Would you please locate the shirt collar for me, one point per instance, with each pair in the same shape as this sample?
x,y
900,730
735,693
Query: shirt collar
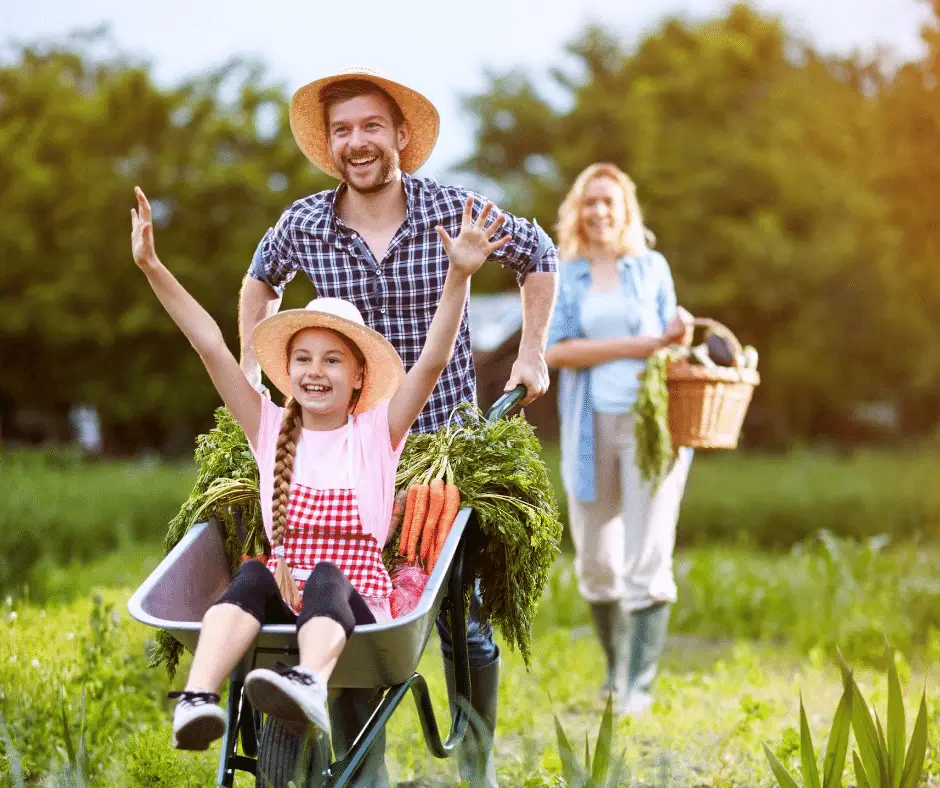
x,y
333,226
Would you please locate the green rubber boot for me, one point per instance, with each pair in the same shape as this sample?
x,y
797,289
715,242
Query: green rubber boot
x,y
610,625
475,754
647,639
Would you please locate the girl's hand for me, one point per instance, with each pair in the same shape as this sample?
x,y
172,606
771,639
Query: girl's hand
x,y
469,250
680,328
142,232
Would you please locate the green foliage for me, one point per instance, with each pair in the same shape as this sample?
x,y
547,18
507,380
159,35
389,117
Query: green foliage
x,y
50,661
654,451
57,509
80,125
825,593
879,761
226,489
597,772
771,175
501,475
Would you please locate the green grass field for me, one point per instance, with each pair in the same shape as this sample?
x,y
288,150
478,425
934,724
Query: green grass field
x,y
719,697
769,587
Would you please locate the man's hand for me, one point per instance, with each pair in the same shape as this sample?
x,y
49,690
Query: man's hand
x,y
469,250
531,371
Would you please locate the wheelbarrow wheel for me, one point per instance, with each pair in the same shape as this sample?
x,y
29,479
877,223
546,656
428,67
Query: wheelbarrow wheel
x,y
284,756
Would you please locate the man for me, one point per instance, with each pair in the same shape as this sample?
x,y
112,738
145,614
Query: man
x,y
372,241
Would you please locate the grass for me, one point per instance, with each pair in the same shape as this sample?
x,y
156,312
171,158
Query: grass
x,y
719,697
87,509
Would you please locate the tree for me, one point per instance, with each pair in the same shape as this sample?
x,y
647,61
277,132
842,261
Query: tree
x,y
78,322
756,165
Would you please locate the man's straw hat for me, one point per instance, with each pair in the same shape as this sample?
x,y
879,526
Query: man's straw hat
x,y
384,371
309,128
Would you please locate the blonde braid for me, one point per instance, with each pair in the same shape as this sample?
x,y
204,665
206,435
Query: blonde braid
x,y
283,470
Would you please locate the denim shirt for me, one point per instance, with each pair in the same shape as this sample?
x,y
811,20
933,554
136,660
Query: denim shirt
x,y
647,281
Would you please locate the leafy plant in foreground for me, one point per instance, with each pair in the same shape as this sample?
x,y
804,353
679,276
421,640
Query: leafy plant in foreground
x,y
880,761
599,771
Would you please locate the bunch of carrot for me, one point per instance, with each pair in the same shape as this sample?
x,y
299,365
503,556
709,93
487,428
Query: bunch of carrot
x,y
431,507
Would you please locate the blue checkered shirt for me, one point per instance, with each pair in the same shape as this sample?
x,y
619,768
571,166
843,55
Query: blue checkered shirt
x,y
398,295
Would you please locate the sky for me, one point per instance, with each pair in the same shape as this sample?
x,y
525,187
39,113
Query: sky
x,y
441,48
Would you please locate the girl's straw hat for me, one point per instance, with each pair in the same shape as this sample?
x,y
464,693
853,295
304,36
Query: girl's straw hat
x,y
308,124
384,371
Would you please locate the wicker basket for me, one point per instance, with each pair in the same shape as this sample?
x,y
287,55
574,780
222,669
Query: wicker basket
x,y
707,405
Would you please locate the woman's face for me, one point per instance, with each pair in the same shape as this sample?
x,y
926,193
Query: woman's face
x,y
324,373
603,212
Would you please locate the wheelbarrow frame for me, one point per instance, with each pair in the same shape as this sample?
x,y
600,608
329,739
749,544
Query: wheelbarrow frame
x,y
381,656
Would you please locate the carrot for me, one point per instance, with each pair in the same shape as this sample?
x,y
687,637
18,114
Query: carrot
x,y
421,507
398,511
448,515
435,505
406,521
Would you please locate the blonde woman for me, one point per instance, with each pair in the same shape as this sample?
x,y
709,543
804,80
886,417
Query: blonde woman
x,y
616,306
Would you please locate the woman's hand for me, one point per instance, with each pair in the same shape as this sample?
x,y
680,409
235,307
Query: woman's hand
x,y
469,250
680,328
142,232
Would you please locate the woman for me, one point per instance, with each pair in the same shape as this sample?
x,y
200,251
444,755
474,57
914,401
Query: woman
x,y
616,306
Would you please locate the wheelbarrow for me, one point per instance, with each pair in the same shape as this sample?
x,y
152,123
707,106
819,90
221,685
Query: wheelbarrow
x,y
383,656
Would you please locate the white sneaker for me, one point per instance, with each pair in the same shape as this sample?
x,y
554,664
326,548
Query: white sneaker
x,y
198,720
295,696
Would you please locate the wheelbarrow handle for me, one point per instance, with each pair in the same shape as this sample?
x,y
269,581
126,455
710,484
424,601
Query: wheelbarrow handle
x,y
506,403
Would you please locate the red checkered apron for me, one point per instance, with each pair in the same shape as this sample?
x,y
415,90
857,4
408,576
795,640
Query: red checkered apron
x,y
324,525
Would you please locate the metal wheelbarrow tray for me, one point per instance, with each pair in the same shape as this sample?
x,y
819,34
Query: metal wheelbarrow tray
x,y
194,574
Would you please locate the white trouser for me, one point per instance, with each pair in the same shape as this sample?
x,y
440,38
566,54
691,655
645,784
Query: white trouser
x,y
624,539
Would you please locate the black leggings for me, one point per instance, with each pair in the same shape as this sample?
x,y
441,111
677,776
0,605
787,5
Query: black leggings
x,y
326,593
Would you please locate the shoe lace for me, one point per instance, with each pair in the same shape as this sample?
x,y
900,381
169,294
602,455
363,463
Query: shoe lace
x,y
288,672
194,698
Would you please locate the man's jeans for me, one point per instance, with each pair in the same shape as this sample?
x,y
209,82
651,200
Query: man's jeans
x,y
481,647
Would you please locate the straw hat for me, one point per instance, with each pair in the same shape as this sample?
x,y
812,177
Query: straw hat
x,y
384,371
309,129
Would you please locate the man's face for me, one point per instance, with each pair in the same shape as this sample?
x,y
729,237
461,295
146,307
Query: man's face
x,y
364,142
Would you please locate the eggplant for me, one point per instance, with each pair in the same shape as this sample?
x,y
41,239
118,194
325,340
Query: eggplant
x,y
721,351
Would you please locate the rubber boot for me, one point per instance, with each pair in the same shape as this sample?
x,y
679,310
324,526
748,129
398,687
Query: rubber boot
x,y
610,625
475,753
647,638
350,710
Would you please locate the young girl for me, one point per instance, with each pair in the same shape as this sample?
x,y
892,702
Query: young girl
x,y
327,461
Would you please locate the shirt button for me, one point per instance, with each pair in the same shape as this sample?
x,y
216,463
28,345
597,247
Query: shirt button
x,y
382,311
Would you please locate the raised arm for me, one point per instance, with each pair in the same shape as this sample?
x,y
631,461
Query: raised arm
x,y
467,252
197,324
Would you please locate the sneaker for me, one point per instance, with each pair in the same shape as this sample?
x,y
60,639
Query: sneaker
x,y
295,696
198,720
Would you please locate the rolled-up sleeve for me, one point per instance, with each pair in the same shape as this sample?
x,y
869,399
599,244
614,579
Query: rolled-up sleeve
x,y
666,296
530,250
565,322
274,261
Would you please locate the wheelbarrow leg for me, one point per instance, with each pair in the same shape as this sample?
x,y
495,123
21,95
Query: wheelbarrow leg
x,y
226,774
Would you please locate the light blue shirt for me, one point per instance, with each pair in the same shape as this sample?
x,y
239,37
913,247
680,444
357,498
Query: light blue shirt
x,y
646,283
609,314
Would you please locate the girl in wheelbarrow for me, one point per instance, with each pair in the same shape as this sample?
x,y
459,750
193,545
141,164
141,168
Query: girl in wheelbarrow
x,y
326,462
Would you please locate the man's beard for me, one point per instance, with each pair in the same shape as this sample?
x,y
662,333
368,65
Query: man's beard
x,y
388,162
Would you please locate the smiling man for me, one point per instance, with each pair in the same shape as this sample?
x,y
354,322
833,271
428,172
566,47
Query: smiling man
x,y
372,241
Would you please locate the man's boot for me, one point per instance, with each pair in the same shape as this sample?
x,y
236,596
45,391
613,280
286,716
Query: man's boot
x,y
647,638
610,625
350,710
475,753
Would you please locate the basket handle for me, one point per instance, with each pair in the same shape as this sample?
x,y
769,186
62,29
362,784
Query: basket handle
x,y
719,328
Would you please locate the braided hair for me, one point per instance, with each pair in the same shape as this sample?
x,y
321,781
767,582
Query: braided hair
x,y
283,470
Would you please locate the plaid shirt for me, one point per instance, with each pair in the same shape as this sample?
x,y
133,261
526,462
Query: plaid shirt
x,y
398,295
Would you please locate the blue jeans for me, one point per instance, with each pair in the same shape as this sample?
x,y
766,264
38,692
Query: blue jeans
x,y
481,647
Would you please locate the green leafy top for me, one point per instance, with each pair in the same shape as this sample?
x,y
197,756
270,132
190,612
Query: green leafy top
x,y
499,469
